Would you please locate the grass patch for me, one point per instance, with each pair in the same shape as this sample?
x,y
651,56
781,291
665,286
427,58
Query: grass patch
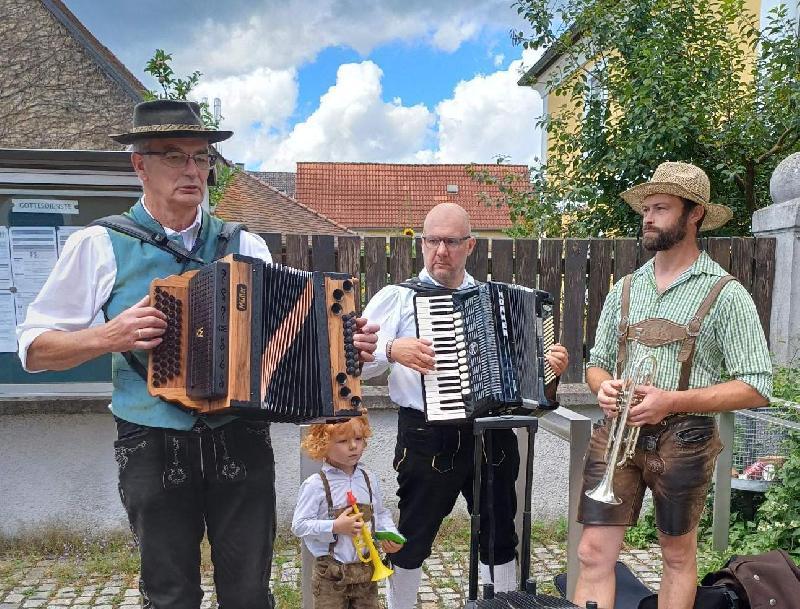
x,y
550,532
73,556
454,534
12,570
454,531
286,596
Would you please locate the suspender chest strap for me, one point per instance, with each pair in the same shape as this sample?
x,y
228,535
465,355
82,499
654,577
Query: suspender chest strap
x,y
366,508
656,332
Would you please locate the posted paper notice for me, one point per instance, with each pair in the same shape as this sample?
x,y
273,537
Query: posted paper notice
x,y
8,337
33,256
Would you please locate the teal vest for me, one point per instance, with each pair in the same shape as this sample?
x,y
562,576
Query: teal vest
x,y
138,264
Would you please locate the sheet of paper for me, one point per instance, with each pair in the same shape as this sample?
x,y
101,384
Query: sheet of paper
x,y
8,337
63,234
5,260
33,255
21,302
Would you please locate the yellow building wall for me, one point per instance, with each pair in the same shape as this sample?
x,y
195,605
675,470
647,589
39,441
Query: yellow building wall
x,y
556,104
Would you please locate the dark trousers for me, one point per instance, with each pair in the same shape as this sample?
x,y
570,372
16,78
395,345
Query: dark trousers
x,y
434,463
175,485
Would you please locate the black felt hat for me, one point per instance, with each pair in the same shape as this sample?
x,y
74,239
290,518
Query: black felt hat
x,y
162,118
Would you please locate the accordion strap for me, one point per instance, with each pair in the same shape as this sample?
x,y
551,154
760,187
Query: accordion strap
x,y
419,286
329,499
128,226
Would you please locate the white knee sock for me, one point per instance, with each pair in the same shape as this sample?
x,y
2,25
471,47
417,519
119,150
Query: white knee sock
x,y
505,576
403,587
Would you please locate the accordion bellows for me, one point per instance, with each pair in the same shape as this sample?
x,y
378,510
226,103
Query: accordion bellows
x,y
245,337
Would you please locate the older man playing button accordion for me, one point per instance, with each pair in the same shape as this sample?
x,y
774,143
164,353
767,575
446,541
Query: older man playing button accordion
x,y
180,475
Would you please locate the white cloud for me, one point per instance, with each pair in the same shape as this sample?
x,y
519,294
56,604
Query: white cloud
x,y
253,105
353,123
490,115
498,60
452,33
282,34
487,115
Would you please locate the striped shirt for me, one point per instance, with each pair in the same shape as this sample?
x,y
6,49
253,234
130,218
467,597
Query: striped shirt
x,y
731,338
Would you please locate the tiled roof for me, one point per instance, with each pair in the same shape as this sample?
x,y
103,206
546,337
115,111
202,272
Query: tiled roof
x,y
107,61
395,196
265,210
283,181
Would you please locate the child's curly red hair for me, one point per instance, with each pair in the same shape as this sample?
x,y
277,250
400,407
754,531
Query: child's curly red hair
x,y
320,435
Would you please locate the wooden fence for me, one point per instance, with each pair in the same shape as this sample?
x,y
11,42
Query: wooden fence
x,y
577,272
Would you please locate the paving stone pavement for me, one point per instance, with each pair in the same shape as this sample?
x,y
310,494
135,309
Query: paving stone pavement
x,y
444,581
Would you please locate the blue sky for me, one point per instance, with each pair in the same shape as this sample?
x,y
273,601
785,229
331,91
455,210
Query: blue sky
x,y
341,80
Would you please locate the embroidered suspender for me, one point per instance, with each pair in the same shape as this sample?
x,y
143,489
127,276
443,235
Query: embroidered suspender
x,y
335,513
657,331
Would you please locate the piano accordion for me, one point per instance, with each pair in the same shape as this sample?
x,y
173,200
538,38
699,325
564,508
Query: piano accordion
x,y
490,342
245,337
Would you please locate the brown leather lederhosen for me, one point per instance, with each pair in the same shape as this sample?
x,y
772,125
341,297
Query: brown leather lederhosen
x,y
336,584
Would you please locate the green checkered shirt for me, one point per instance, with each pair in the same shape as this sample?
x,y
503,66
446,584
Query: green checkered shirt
x,y
731,337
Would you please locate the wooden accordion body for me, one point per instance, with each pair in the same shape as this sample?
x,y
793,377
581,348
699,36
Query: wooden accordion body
x,y
245,337
490,342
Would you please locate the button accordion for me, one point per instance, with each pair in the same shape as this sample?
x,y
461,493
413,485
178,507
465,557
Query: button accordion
x,y
245,337
490,341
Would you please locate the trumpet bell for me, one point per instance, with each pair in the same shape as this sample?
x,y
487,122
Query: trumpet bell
x,y
604,492
379,570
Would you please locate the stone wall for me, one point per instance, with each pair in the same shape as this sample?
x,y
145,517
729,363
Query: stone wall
x,y
53,94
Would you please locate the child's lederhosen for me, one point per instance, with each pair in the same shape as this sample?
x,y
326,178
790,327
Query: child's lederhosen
x,y
338,585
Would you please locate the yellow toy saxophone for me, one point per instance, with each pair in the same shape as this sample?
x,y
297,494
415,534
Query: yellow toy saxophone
x,y
364,541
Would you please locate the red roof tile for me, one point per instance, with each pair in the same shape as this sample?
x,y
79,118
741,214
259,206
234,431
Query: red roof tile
x,y
265,210
377,195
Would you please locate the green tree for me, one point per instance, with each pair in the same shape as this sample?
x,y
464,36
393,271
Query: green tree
x,y
159,67
655,80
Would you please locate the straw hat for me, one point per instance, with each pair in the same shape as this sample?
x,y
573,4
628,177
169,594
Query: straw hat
x,y
167,118
682,180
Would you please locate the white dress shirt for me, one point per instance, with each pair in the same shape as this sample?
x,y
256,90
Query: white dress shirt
x,y
393,308
311,521
84,275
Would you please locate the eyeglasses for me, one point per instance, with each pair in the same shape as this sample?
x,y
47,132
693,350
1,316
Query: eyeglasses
x,y
178,159
449,242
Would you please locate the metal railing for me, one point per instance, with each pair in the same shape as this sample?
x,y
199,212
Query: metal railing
x,y
576,429
722,476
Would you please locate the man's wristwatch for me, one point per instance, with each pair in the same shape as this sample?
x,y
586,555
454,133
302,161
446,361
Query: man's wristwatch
x,y
389,349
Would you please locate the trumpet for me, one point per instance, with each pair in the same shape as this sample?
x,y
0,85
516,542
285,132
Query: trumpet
x,y
621,436
363,541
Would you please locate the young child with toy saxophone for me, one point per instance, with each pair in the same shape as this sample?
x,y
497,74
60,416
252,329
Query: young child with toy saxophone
x,y
330,527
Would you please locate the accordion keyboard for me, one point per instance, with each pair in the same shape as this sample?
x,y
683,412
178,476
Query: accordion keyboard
x,y
447,386
490,342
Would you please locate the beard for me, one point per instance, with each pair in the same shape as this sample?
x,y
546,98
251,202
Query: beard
x,y
665,239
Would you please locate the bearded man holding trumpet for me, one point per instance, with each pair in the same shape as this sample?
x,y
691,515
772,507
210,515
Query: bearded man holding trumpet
x,y
683,311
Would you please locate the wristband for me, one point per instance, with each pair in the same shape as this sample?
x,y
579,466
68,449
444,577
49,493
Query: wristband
x,y
389,349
